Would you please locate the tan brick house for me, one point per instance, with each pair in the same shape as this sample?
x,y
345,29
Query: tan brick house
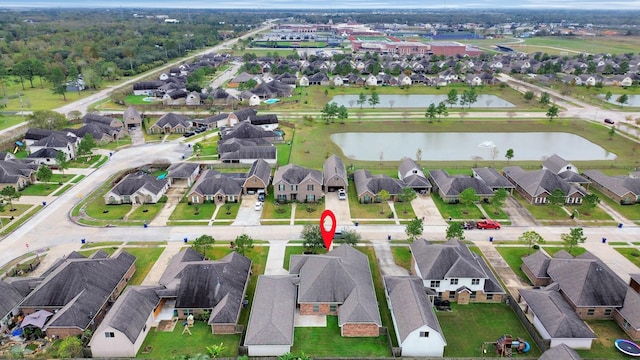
x,y
296,183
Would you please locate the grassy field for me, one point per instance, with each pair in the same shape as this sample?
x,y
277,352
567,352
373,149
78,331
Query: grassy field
x,y
607,331
632,254
456,211
631,212
7,121
513,257
145,258
576,44
40,189
184,211
466,327
14,209
402,256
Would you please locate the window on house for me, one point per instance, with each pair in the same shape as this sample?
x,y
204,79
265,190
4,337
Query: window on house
x,y
109,334
310,187
454,281
591,311
294,187
473,295
475,281
424,334
626,324
489,296
607,312
435,283
144,328
187,312
281,187
452,295
316,308
333,308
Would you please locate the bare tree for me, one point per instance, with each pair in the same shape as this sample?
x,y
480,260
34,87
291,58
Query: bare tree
x,y
351,102
391,103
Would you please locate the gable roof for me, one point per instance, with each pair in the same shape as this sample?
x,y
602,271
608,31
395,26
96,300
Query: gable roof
x,y
89,118
212,182
130,312
97,129
587,282
272,314
538,263
78,288
555,164
246,130
555,314
294,174
172,120
453,185
538,182
12,170
619,185
407,165
134,182
10,298
365,182
177,263
264,119
132,113
340,276
56,140
260,169
181,170
244,114
630,310
409,304
493,178
560,352
452,259
333,166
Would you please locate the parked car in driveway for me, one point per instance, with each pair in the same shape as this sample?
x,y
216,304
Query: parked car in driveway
x,y
609,121
257,206
488,224
342,195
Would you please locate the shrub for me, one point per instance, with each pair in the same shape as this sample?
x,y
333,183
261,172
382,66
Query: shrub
x,y
163,199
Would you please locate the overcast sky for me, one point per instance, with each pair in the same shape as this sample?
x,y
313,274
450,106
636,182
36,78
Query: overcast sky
x,y
333,4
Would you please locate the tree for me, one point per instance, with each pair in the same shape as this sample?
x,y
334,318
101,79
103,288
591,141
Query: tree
x,y
46,119
29,69
414,229
545,98
608,95
9,194
612,132
362,98
441,110
242,244
374,99
69,348
468,197
215,350
573,238
62,161
406,196
312,238
499,197
455,231
530,238
529,95
419,154
622,99
469,97
74,115
556,199
350,237
44,174
553,111
589,202
452,97
343,114
86,145
383,196
509,155
431,112
202,243
57,78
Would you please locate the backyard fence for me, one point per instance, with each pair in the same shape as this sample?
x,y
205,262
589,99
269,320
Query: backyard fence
x,y
543,344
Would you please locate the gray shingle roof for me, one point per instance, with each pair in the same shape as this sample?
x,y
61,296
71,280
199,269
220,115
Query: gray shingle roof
x,y
9,299
560,352
267,119
341,276
619,185
89,118
493,178
97,129
365,182
55,140
407,165
244,114
538,262
630,311
555,314
79,288
333,167
538,182
260,169
555,163
132,115
453,185
212,183
587,282
409,304
181,170
272,314
130,312
246,130
136,181
172,120
12,170
177,263
237,144
294,174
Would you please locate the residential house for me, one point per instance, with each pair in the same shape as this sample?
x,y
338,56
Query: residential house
x,y
183,173
89,118
44,156
100,132
258,177
132,118
64,142
295,183
241,78
493,179
9,301
565,170
267,122
538,185
79,292
126,325
454,272
554,319
560,352
148,88
241,115
628,316
17,174
212,122
175,97
334,174
216,286
338,283
449,187
412,176
246,130
368,186
535,266
137,188
170,123
417,328
624,190
271,323
216,187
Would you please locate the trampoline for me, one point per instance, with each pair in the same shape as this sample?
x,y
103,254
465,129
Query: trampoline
x,y
628,347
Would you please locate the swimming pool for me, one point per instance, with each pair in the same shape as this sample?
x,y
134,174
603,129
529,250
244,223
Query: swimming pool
x,y
271,101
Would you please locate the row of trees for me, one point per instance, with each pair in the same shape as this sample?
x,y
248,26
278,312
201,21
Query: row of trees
x,y
205,242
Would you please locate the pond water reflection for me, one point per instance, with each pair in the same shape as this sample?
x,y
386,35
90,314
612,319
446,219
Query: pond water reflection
x,y
418,101
468,146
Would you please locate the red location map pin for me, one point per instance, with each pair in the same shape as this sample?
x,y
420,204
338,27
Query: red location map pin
x,y
327,235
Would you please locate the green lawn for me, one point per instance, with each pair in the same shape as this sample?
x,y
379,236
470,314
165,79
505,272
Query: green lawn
x,y
272,211
184,211
9,121
296,250
576,251
542,212
59,178
90,245
309,211
360,210
494,211
284,153
607,331
632,254
229,211
39,189
327,342
146,212
466,327
456,211
12,225
402,256
145,258
19,209
98,210
84,162
108,250
513,257
173,345
631,212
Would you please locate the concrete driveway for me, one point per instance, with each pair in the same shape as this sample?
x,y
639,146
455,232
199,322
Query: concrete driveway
x,y
518,214
247,215
339,207
426,209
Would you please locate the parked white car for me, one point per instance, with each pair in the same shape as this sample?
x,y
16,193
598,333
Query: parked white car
x,y
342,195
257,206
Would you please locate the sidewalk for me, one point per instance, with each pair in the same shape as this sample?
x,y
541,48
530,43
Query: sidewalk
x,y
275,259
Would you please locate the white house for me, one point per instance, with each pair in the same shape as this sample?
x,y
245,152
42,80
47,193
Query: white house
x,y
137,188
417,328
